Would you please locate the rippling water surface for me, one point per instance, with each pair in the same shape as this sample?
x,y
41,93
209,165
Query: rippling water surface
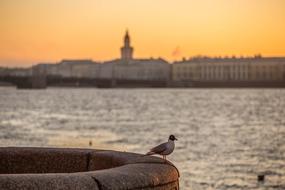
x,y
226,136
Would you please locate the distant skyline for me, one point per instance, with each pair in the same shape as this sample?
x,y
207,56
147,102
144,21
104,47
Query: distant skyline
x,y
33,31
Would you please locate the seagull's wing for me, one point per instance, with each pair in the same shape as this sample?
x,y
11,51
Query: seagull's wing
x,y
159,149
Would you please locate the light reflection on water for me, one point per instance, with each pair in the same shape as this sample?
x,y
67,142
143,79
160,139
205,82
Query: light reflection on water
x,y
226,136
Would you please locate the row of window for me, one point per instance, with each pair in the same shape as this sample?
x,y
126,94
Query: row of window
x,y
227,68
227,75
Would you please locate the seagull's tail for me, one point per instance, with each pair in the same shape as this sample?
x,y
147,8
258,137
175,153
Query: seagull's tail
x,y
148,154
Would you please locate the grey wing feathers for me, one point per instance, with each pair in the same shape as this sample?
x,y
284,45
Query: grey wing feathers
x,y
158,149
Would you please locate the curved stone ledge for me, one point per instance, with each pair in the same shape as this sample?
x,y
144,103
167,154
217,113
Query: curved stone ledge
x,y
86,169
47,182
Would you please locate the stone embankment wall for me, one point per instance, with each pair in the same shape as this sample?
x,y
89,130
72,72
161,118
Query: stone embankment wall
x,y
84,169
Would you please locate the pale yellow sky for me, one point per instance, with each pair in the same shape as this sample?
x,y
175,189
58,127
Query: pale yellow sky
x,y
34,31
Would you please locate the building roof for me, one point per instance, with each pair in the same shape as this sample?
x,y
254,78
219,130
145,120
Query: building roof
x,y
138,61
231,59
77,61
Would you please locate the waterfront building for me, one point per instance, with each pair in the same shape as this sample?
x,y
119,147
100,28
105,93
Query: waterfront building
x,y
229,69
47,69
17,72
78,68
4,71
129,68
71,69
106,69
143,69
136,69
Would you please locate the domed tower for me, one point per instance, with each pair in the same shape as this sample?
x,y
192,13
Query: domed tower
x,y
127,50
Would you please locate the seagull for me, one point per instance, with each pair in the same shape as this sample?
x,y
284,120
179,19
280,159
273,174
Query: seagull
x,y
164,148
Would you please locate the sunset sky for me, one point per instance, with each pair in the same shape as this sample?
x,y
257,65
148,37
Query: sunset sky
x,y
33,31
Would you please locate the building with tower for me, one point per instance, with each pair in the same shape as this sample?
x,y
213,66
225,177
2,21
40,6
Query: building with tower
x,y
130,68
127,50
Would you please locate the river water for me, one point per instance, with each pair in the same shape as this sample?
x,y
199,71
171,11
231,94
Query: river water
x,y
226,137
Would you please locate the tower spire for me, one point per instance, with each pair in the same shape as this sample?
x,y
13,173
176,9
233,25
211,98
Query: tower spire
x,y
127,39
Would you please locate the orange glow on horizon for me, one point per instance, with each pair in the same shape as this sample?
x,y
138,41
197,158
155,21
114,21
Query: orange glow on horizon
x,y
35,31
